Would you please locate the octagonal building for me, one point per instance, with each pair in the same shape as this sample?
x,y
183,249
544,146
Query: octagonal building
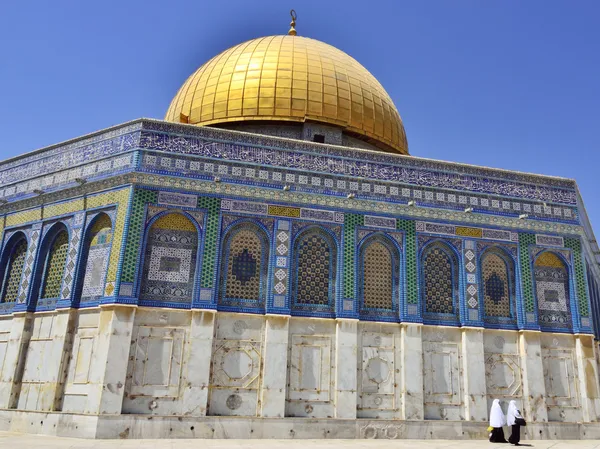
x,y
269,261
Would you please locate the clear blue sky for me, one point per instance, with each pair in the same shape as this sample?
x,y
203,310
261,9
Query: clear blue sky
x,y
503,83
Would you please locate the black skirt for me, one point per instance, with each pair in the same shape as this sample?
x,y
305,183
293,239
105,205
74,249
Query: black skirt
x,y
515,435
497,435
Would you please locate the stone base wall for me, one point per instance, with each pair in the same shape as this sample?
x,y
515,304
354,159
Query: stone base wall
x,y
134,372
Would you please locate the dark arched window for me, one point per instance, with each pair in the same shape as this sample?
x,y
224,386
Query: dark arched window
x,y
13,261
378,277
315,265
498,286
55,266
552,291
244,267
439,282
170,260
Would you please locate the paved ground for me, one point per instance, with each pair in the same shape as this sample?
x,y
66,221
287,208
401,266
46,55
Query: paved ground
x,y
18,441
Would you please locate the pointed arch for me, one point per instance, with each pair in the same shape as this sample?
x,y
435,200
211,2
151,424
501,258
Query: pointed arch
x,y
552,291
315,270
50,266
11,264
94,258
244,266
378,283
498,286
170,260
439,281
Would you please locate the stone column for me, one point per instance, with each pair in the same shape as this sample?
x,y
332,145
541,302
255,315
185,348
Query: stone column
x,y
473,374
412,371
114,339
587,377
272,396
532,368
62,338
346,339
14,359
197,375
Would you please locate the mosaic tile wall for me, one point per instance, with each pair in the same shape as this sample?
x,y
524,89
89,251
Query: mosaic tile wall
x,y
439,268
498,276
170,256
315,257
412,293
525,240
580,279
98,244
351,221
378,274
12,278
245,267
136,220
55,266
211,236
552,291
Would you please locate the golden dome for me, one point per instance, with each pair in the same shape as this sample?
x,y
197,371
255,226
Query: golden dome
x,y
290,78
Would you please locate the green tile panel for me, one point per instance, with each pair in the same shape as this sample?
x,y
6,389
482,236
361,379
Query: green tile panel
x,y
410,253
351,221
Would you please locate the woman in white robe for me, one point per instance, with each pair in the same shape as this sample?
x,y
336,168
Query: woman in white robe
x,y
515,420
497,421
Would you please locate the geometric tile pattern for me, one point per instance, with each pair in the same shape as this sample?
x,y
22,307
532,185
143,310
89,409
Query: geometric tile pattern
x,y
170,260
99,243
378,276
552,291
280,282
410,258
498,276
580,279
470,267
136,218
351,221
10,289
244,266
440,279
314,282
71,263
55,266
212,205
525,241
28,268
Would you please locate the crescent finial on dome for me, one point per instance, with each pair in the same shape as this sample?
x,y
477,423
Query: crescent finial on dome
x,y
292,31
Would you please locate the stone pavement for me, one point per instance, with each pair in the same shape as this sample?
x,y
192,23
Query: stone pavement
x,y
19,441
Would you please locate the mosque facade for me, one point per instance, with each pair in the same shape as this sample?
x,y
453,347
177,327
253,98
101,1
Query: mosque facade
x,y
269,261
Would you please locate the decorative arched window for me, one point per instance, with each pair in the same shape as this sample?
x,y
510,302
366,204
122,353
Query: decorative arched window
x,y
94,259
244,267
498,286
552,291
13,261
315,256
54,268
378,276
439,281
170,260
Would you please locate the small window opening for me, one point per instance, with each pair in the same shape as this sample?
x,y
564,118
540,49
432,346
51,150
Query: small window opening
x,y
319,138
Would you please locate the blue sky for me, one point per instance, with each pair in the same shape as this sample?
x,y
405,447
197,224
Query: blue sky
x,y
503,83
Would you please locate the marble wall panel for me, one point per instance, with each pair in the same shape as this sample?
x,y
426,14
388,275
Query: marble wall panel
x,y
83,361
560,371
442,372
503,376
236,364
311,368
379,371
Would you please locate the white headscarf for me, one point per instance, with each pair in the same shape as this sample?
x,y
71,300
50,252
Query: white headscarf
x,y
497,418
513,413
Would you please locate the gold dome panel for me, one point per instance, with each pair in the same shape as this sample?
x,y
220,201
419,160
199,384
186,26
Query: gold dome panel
x,y
290,78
